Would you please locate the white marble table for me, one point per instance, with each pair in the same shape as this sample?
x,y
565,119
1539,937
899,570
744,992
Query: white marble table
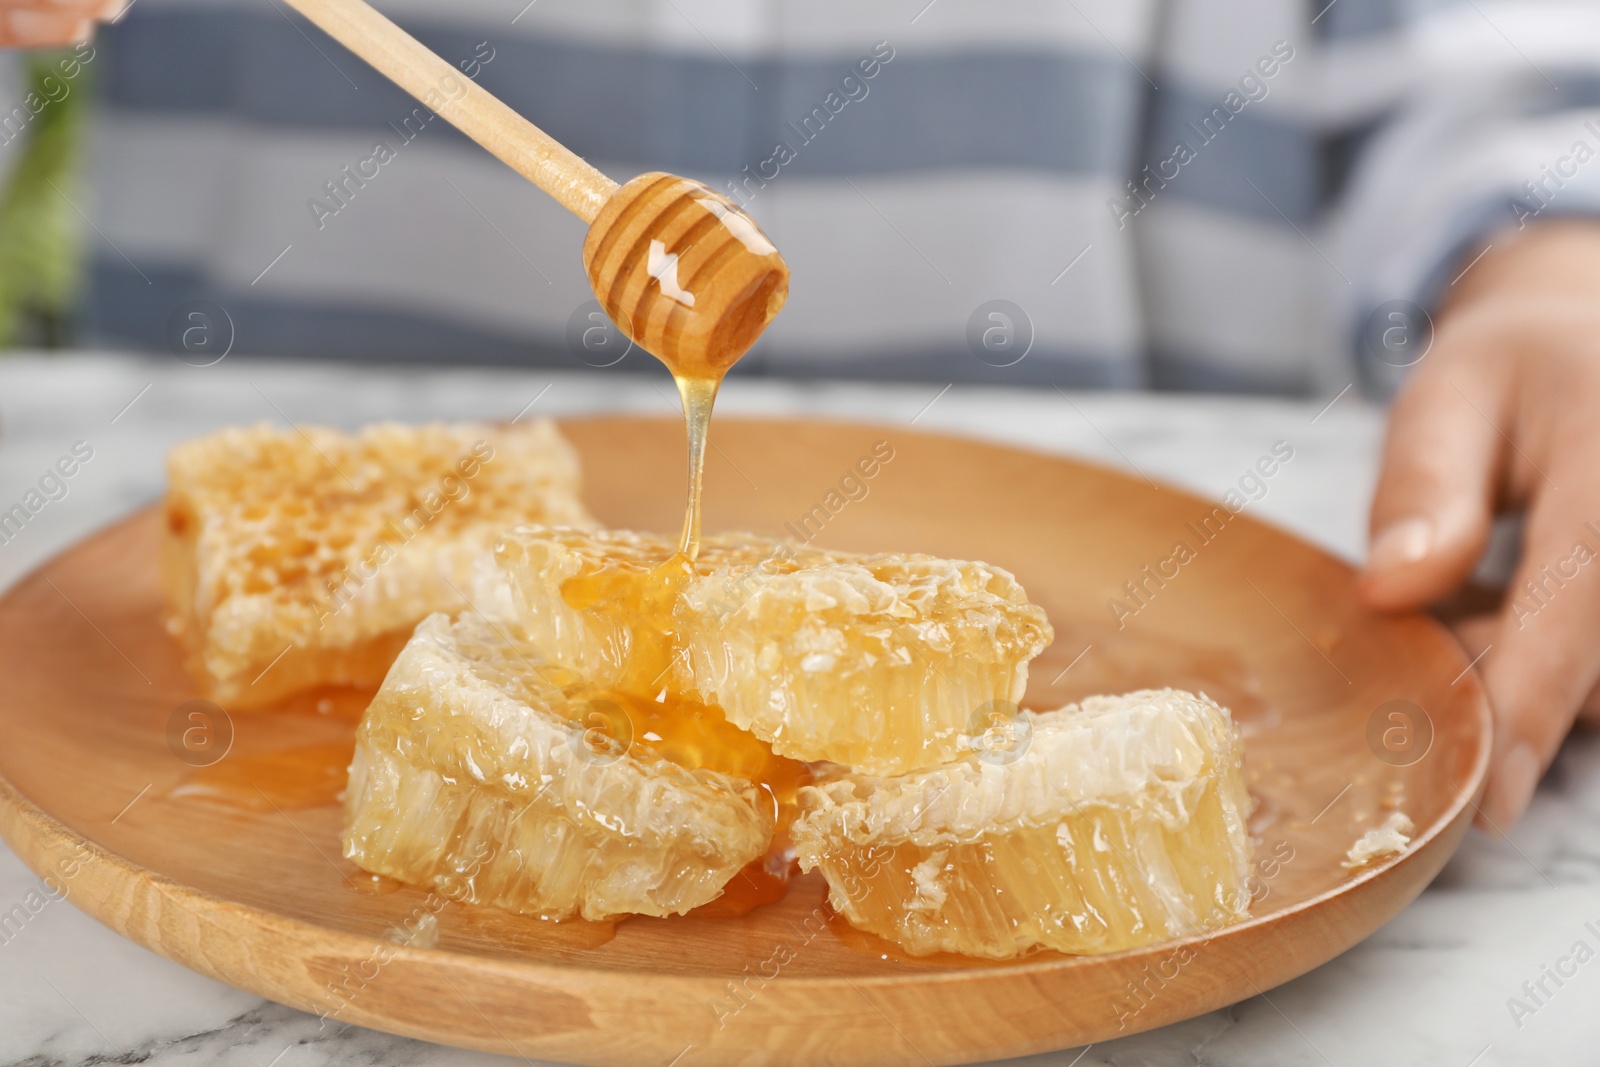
x,y
1432,987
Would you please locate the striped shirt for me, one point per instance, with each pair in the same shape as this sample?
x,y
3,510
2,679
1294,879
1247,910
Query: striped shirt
x,y
1202,194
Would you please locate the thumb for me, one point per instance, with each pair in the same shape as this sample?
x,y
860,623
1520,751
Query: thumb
x,y
1433,507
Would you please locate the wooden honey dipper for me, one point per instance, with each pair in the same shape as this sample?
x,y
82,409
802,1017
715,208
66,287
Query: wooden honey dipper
x,y
678,267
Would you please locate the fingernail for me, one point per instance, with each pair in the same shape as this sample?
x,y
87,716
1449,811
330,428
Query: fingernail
x,y
1515,777
1400,544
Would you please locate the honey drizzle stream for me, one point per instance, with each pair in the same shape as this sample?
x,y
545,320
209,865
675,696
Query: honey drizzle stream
x,y
698,395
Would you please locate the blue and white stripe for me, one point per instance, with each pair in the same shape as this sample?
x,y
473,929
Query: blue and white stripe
x,y
981,162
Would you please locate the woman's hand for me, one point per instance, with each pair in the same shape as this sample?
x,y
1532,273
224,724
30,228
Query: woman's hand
x,y
51,23
1504,414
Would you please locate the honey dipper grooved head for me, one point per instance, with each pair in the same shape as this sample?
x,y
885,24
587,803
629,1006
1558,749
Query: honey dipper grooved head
x,y
684,272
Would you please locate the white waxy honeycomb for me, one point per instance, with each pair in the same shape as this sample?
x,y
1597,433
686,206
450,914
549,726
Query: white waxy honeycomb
x,y
1109,824
475,773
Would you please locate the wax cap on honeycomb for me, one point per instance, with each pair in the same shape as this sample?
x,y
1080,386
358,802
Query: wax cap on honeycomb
x,y
471,758
878,662
304,556
1099,826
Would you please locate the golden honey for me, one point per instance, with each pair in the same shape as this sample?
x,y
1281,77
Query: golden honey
x,y
699,395
883,663
312,776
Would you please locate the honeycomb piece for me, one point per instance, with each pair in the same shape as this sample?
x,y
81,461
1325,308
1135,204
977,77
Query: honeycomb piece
x,y
486,776
876,662
1098,827
294,558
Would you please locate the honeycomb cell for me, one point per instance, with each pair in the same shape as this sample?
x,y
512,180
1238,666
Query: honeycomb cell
x,y
1120,823
300,557
494,781
876,662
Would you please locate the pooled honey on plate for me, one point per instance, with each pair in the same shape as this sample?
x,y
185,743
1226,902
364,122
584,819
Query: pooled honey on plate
x,y
311,776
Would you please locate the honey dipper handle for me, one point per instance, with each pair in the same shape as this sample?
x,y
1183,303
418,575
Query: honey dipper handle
x,y
463,103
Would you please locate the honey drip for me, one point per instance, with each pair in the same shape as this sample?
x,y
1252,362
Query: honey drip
x,y
766,881
698,395
642,716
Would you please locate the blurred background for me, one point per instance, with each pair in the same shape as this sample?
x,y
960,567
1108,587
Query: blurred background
x,y
1246,195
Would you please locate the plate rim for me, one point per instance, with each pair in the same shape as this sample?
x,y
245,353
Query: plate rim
x,y
33,833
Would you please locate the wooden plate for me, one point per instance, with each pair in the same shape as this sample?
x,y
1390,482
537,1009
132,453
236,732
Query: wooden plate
x,y
1347,714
